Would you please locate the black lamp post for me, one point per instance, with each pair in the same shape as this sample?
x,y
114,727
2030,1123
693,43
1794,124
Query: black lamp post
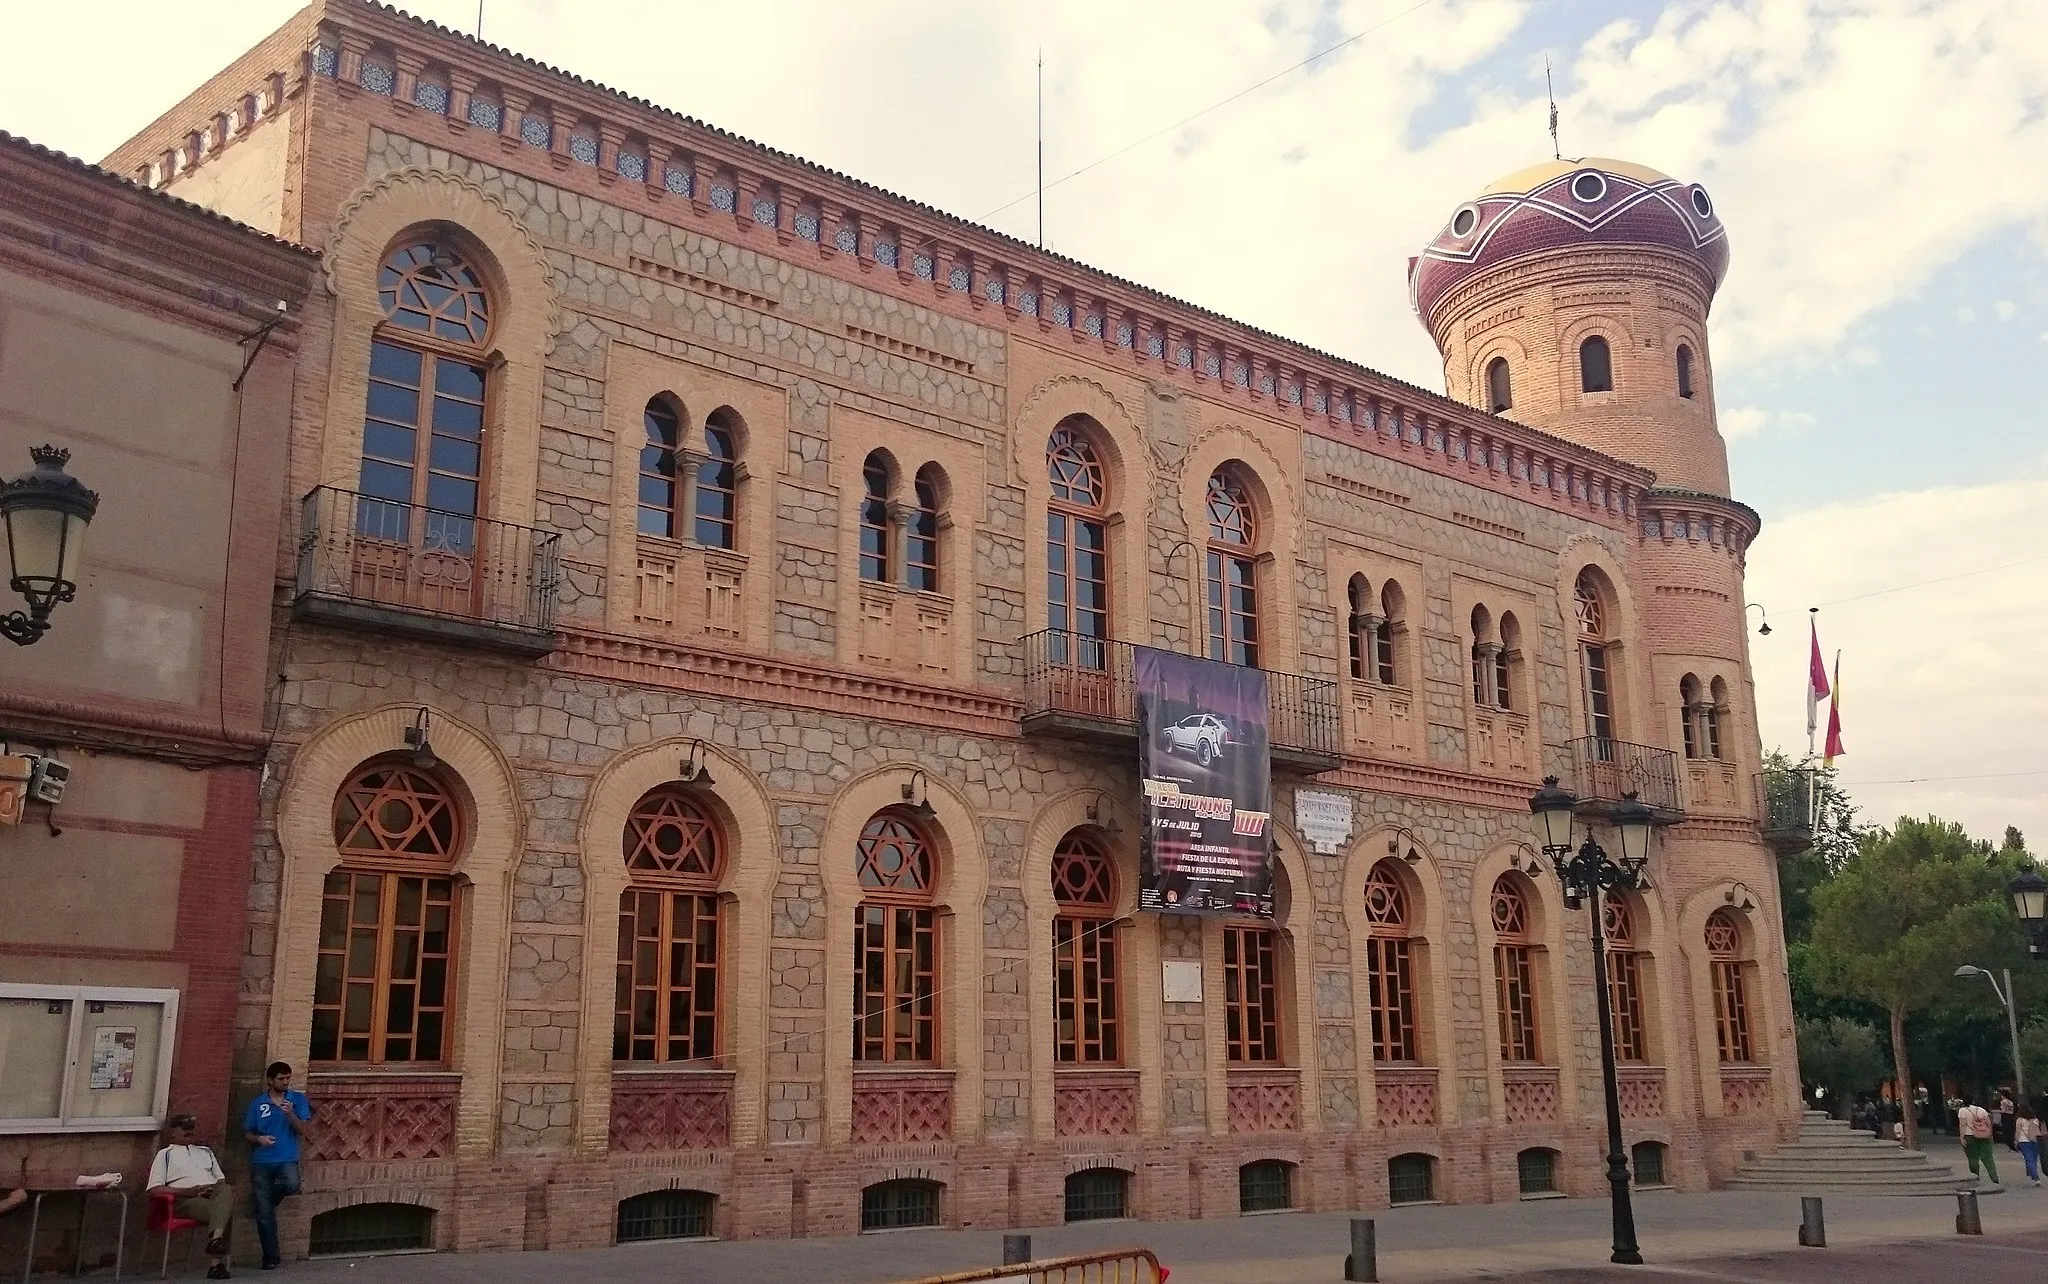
x,y
1587,874
45,512
2030,902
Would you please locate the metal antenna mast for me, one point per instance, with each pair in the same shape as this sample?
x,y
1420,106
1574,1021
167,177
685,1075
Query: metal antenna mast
x,y
1556,152
1041,148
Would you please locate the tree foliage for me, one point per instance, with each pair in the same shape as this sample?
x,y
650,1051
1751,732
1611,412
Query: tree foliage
x,y
1895,921
1842,1056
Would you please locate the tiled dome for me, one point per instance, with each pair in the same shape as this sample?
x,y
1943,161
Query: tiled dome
x,y
1561,203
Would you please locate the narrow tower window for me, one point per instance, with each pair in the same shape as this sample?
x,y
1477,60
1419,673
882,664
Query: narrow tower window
x,y
1596,366
1500,394
1685,371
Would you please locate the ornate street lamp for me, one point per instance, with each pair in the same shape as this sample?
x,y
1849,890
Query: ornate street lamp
x,y
2030,902
1587,875
45,511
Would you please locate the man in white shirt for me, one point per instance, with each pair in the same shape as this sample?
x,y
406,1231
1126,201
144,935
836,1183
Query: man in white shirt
x,y
1974,1123
192,1175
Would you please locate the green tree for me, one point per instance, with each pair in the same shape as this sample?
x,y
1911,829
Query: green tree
x,y
1840,1055
1893,924
1835,837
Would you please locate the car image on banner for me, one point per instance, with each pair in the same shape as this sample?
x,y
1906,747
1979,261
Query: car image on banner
x,y
1206,778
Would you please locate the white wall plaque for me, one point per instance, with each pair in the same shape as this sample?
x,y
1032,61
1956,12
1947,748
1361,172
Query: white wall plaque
x,y
1180,981
1323,819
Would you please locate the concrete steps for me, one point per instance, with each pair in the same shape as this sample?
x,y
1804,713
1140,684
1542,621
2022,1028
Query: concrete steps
x,y
1829,1157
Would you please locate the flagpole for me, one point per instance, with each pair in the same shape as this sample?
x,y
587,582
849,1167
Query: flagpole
x,y
1812,705
1041,149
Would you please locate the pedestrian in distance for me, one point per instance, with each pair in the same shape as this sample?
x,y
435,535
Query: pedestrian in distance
x,y
2002,1117
190,1174
273,1124
1974,1123
2026,1131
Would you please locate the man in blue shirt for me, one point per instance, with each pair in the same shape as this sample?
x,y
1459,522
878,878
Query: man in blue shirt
x,y
273,1125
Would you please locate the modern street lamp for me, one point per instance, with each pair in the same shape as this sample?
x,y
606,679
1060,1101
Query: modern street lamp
x,y
2030,902
45,512
2012,1021
1588,874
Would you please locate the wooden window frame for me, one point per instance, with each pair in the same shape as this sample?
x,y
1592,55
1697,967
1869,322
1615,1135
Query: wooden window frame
x,y
382,980
432,354
718,476
1086,953
1514,976
670,452
681,920
922,555
1251,994
1230,610
1626,1007
893,922
1734,1037
1390,969
1067,519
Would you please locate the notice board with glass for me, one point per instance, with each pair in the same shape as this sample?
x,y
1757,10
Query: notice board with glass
x,y
82,1058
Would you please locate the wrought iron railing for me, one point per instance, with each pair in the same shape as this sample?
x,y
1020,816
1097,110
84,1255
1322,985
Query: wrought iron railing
x,y
380,553
1784,809
1090,680
1605,769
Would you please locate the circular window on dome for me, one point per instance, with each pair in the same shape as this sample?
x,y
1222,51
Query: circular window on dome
x,y
1589,186
1464,220
1700,204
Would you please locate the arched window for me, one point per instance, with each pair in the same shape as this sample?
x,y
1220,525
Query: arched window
x,y
385,971
1077,547
1684,371
875,476
355,1229
1731,988
1097,1193
1689,715
670,945
921,547
1411,1179
1505,659
1536,1171
893,1205
1233,595
1265,1186
1625,981
423,426
1514,971
718,481
1087,1011
1591,611
1251,993
1484,651
665,1214
1362,623
1392,604
1390,965
895,943
1500,393
1596,365
1712,716
659,488
1646,1159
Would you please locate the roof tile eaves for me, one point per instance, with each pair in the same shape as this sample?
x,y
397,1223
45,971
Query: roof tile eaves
x,y
33,148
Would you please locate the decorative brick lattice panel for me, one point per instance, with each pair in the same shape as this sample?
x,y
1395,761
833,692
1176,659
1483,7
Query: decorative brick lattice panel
x,y
1405,1098
1641,1091
891,1109
383,1118
671,1112
1265,1101
1531,1096
1745,1094
1098,1106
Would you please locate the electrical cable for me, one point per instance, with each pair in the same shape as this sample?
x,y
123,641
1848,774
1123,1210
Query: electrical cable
x,y
1215,106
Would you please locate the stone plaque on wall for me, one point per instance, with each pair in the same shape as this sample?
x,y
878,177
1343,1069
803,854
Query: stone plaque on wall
x,y
1323,819
1180,981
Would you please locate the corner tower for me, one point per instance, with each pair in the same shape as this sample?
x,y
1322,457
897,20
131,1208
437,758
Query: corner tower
x,y
1573,296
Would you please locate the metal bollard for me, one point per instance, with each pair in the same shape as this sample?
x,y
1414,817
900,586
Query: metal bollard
x,y
1363,1261
1967,1221
1016,1250
1813,1228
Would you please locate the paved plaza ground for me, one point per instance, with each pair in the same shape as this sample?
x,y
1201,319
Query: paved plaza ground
x,y
1733,1237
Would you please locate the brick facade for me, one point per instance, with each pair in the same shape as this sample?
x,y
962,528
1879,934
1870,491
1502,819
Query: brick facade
x,y
802,699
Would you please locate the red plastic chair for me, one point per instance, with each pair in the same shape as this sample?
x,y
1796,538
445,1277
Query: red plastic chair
x,y
162,1215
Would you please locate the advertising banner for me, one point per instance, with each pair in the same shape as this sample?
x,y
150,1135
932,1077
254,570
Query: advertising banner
x,y
1207,780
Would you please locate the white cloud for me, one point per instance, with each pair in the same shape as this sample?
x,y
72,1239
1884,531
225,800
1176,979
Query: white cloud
x,y
2006,309
1966,314
1930,674
1747,421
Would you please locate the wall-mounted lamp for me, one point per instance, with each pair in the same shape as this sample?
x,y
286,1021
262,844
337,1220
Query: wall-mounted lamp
x,y
416,740
1409,853
1100,815
914,793
1764,629
45,512
1524,859
1739,897
692,771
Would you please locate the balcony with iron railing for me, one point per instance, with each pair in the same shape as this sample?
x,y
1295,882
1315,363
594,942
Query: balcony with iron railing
x,y
1082,688
1604,770
406,569
1784,809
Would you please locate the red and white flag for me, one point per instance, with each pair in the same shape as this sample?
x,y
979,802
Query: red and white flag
x,y
1817,688
1833,749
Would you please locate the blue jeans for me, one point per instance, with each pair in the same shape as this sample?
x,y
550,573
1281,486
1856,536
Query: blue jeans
x,y
2031,1152
269,1183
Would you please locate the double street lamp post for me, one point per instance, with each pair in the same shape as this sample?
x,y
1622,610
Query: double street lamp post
x,y
1587,875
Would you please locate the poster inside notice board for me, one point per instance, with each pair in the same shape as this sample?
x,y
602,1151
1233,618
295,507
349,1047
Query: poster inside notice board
x,y
1206,780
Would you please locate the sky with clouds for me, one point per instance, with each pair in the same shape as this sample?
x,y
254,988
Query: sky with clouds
x,y
1880,343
